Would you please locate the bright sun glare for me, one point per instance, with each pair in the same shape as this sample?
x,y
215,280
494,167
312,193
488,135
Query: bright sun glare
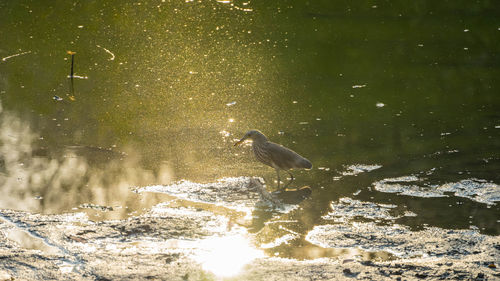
x,y
226,256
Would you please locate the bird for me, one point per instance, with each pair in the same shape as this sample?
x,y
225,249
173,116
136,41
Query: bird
x,y
275,155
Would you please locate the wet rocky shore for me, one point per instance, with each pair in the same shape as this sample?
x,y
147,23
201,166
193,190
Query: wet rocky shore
x,y
202,242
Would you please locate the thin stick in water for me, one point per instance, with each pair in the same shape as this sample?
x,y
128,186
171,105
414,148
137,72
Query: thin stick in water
x,y
72,62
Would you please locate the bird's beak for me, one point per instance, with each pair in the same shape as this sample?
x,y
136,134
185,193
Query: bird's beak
x,y
240,141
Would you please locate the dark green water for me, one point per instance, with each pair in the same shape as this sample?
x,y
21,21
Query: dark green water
x,y
164,88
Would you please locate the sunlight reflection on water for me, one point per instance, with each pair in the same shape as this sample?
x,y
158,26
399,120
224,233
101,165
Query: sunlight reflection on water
x,y
226,256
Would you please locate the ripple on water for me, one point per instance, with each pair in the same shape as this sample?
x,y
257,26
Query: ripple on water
x,y
474,189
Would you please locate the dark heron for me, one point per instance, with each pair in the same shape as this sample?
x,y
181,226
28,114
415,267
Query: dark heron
x,y
275,155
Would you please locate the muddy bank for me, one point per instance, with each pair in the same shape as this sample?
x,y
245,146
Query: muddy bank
x,y
201,242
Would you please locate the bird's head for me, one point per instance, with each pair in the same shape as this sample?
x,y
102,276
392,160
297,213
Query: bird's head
x,y
254,135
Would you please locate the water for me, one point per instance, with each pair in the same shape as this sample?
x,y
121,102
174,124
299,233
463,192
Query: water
x,y
396,105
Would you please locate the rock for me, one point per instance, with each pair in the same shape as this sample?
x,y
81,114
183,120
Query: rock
x,y
397,272
367,263
349,273
421,275
383,272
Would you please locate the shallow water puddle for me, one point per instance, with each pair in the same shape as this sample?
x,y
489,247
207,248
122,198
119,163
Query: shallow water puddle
x,y
27,241
137,205
310,251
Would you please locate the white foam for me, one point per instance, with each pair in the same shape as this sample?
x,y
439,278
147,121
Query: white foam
x,y
350,208
355,169
474,189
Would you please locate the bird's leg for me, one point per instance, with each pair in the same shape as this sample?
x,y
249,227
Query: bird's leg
x,y
291,178
278,172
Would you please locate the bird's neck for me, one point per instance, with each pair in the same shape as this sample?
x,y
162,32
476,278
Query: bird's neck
x,y
259,141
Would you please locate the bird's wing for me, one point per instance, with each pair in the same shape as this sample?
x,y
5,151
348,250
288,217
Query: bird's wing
x,y
283,157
